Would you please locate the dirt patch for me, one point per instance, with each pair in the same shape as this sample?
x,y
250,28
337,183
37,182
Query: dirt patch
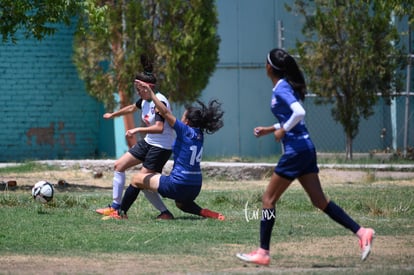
x,y
315,255
100,176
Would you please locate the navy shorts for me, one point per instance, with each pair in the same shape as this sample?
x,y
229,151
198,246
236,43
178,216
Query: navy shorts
x,y
296,164
177,192
152,157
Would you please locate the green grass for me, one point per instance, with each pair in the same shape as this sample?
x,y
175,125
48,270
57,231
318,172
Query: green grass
x,y
69,226
30,166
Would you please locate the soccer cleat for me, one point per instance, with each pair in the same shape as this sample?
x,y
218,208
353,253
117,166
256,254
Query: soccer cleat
x,y
259,256
165,215
207,213
365,242
107,211
119,215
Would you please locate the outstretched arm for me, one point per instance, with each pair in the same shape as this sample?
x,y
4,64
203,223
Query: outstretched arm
x,y
162,109
126,110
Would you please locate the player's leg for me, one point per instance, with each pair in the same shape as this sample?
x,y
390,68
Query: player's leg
x,y
312,186
121,165
154,162
193,208
276,187
140,181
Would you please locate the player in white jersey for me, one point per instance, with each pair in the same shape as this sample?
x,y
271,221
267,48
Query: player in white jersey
x,y
153,151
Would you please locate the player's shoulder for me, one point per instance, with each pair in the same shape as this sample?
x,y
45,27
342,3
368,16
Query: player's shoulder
x,y
161,97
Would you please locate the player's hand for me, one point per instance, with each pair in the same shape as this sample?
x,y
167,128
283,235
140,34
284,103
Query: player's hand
x,y
258,131
107,115
130,133
146,87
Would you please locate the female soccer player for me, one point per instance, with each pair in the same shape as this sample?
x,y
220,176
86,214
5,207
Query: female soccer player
x,y
184,182
153,151
298,160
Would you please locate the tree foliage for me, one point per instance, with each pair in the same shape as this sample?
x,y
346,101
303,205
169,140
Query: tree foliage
x,y
35,18
180,36
349,56
401,8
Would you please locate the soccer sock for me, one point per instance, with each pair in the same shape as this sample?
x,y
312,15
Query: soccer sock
x,y
266,227
338,214
189,207
118,188
131,194
154,199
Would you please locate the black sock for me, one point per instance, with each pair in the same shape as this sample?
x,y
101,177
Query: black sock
x,y
189,207
266,227
131,194
338,214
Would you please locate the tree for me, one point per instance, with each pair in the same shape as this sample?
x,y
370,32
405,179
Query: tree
x,y
349,56
36,18
401,8
180,36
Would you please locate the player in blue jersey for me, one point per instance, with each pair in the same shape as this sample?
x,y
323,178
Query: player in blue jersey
x,y
184,182
153,151
299,157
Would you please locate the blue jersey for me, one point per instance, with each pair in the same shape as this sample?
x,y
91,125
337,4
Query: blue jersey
x,y
297,139
187,151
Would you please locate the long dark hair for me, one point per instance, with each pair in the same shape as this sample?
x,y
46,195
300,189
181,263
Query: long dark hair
x,y
147,75
209,118
284,66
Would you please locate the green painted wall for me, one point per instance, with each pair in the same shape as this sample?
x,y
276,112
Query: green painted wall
x,y
45,111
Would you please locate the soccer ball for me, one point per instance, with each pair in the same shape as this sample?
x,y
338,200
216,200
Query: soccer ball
x,y
42,191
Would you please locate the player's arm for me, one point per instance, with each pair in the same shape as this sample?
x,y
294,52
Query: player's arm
x,y
162,109
298,113
123,111
157,128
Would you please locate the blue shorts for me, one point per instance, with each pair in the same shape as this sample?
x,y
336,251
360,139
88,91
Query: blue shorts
x,y
177,192
296,164
152,157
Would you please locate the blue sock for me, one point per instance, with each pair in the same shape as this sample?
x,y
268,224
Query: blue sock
x,y
266,227
338,214
130,195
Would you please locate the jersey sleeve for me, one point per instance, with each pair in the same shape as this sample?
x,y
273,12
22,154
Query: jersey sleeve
x,y
159,117
138,104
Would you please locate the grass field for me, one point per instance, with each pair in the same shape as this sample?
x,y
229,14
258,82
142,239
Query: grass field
x,y
66,236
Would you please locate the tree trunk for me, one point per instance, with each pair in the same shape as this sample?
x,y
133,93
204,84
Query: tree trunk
x,y
118,53
128,119
348,150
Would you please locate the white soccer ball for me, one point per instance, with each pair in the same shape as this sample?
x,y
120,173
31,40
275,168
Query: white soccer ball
x,y
43,191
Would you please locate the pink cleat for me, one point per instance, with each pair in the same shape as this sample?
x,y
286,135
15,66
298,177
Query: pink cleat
x,y
259,256
365,242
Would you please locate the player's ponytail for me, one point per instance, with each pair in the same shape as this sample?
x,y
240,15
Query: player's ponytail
x,y
284,66
147,75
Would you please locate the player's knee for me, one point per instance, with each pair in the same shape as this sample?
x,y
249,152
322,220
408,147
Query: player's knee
x,y
118,166
320,204
267,201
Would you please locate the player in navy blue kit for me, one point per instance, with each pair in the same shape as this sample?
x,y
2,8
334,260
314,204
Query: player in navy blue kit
x,y
153,151
299,157
184,182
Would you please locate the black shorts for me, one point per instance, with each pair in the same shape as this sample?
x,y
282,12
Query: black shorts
x,y
152,157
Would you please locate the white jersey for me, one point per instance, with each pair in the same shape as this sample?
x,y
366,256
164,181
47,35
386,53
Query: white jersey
x,y
166,138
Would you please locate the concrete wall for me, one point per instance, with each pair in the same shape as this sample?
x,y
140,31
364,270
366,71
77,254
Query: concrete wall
x,y
45,111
